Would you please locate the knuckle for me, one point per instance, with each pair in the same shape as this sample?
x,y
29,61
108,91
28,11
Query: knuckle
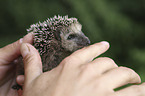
x,y
86,71
87,68
28,59
108,61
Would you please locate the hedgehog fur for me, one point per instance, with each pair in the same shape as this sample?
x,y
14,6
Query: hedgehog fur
x,y
56,38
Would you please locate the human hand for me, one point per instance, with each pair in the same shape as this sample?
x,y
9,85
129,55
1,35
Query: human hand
x,y
78,75
7,68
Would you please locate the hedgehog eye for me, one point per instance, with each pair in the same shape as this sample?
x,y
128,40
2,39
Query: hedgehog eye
x,y
72,36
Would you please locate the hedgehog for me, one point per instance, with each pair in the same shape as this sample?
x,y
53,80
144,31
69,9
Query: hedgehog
x,y
55,39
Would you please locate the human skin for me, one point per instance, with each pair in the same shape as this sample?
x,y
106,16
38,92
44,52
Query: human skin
x,y
7,68
82,77
78,75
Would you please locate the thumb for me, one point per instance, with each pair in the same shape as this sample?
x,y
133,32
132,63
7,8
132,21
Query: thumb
x,y
12,51
32,62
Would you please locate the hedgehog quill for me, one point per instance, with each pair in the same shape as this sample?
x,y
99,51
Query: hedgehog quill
x,y
55,39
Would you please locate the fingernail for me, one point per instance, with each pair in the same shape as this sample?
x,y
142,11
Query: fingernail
x,y
105,42
21,40
24,49
27,37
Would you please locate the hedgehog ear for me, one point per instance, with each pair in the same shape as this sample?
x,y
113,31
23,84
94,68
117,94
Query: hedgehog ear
x,y
57,35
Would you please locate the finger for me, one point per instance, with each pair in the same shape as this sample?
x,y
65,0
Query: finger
x,y
87,54
97,67
101,65
134,90
12,51
120,76
28,38
32,62
20,79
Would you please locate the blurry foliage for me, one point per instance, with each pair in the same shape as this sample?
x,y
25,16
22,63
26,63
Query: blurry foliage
x,y
121,22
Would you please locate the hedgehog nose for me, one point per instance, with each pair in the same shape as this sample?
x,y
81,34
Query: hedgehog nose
x,y
88,42
83,41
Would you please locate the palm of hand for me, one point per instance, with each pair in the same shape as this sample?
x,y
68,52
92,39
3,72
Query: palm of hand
x,y
7,78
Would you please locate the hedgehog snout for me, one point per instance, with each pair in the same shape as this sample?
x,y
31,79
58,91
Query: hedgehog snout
x,y
83,41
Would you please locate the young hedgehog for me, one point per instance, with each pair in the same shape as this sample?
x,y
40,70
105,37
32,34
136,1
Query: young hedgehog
x,y
55,39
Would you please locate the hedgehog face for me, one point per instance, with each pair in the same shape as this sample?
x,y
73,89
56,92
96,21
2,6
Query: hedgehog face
x,y
72,38
59,31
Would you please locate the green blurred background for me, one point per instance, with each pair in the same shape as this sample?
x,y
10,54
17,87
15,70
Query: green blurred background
x,y
120,22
